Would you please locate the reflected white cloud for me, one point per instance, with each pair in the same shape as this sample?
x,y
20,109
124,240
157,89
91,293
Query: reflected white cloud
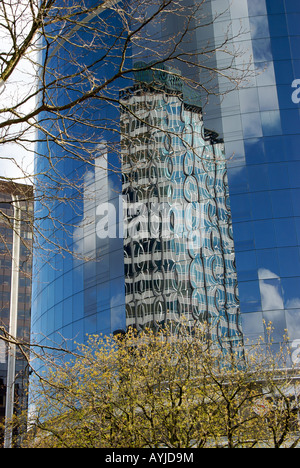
x,y
272,293
271,299
264,273
271,296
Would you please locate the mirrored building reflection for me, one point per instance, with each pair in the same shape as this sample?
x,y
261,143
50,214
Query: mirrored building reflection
x,y
178,245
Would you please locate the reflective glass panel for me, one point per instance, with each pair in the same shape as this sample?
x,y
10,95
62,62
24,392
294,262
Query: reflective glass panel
x,y
243,233
285,232
296,201
262,50
294,171
257,7
261,205
246,265
282,206
280,47
277,25
238,179
293,324
271,292
278,176
292,6
275,149
274,7
289,261
253,327
252,125
250,296
268,99
271,123
264,233
278,321
249,100
255,151
267,262
291,291
290,121
258,177
241,207
104,320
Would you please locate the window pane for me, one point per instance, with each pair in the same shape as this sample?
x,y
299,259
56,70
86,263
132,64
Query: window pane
x,y
264,234
250,296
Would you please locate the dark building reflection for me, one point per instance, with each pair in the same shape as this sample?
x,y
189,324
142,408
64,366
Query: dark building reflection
x,y
8,192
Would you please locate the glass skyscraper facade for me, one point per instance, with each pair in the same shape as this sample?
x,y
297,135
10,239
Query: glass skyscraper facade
x,y
237,266
260,125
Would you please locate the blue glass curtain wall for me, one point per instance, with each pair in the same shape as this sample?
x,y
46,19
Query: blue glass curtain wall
x,y
261,133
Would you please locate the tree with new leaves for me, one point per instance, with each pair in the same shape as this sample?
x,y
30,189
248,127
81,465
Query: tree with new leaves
x,y
174,390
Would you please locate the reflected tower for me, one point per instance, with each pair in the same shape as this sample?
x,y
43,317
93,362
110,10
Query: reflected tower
x,y
178,244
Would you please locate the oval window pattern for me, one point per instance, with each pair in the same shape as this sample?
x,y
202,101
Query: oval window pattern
x,y
190,189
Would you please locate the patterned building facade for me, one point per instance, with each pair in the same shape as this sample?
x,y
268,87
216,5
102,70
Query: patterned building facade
x,y
178,244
